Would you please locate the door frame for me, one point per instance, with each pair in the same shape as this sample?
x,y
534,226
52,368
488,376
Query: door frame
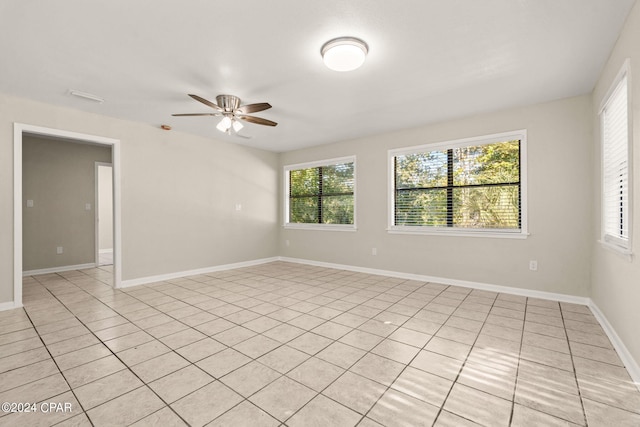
x,y
18,130
96,205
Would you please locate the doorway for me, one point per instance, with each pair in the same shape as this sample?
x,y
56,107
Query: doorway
x,y
104,214
53,134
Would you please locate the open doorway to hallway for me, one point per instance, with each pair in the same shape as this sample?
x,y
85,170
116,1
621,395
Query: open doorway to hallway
x,y
72,249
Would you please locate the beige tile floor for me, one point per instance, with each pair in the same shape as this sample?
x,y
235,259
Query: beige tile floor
x,y
287,344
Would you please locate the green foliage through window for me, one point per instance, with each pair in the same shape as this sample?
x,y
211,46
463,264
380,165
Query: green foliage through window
x,y
322,195
471,187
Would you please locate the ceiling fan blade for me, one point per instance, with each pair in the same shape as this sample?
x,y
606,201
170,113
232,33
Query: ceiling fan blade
x,y
257,120
205,101
197,114
254,108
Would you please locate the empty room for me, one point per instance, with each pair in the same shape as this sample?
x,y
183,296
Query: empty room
x,y
320,213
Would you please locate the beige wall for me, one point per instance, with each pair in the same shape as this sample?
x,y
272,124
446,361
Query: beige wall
x,y
616,280
59,176
105,207
178,193
559,197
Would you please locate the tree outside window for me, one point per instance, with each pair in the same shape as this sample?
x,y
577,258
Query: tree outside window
x,y
464,187
322,194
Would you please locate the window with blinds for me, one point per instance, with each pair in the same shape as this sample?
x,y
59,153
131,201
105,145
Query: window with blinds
x,y
614,118
321,193
473,185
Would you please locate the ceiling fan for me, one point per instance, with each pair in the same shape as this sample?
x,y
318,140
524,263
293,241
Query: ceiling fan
x,y
228,107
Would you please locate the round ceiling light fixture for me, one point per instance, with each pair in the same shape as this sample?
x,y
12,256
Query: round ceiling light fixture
x,y
344,53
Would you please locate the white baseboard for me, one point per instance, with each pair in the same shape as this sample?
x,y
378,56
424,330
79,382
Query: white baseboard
x,y
161,277
446,281
58,269
106,251
10,305
629,362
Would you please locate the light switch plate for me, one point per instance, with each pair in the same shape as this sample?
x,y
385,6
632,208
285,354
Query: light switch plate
x,y
29,203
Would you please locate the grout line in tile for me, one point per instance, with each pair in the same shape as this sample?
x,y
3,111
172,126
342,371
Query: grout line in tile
x,y
126,367
59,370
573,366
260,283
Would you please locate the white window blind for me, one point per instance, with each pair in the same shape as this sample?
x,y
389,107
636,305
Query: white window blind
x,y
473,185
321,193
615,164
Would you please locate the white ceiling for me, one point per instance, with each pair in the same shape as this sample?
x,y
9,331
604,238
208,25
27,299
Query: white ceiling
x,y
429,60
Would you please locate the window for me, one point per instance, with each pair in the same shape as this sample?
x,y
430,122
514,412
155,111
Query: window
x,y
471,187
614,120
321,194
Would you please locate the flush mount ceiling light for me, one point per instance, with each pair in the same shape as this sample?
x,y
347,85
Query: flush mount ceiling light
x,y
344,53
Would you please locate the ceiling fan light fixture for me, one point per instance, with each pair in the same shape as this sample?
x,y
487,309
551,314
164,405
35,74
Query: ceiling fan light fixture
x,y
344,53
237,126
224,125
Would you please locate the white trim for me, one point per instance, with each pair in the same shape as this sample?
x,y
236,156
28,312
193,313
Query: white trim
x,y
117,216
96,209
522,233
625,69
315,164
18,130
446,281
619,245
17,214
58,269
168,276
318,163
321,227
629,362
495,234
8,306
105,251
619,250
463,142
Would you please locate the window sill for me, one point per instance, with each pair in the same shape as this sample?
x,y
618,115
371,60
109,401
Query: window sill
x,y
460,233
623,252
321,227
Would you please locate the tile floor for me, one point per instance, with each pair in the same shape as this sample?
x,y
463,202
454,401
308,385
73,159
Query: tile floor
x,y
288,344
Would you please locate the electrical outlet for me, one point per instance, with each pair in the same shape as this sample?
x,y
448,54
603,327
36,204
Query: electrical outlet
x,y
374,251
29,203
533,265
87,206
59,250
286,243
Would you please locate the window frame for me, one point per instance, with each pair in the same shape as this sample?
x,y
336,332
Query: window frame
x,y
316,164
520,233
608,241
